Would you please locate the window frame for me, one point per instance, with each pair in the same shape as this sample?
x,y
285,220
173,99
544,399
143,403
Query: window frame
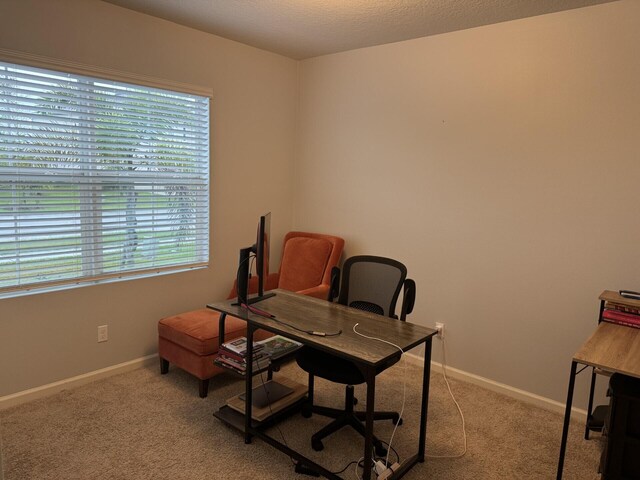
x,y
98,73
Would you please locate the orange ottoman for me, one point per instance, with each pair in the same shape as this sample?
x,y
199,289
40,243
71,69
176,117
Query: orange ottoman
x,y
190,341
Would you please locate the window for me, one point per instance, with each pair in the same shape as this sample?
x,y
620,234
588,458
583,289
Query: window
x,y
99,179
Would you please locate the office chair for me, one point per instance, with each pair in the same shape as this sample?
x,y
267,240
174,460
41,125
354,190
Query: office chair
x,y
372,284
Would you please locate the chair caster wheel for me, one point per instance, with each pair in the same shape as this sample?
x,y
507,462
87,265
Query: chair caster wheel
x,y
317,445
397,421
306,411
355,401
380,450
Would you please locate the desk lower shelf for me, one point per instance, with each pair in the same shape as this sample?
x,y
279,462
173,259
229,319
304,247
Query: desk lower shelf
x,y
235,419
233,412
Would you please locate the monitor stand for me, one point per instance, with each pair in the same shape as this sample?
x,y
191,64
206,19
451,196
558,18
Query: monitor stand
x,y
257,299
242,286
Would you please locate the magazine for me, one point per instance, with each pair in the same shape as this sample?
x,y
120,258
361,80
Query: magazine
x,y
279,346
239,346
242,366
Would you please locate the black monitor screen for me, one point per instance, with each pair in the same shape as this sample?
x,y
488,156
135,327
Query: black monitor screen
x,y
262,251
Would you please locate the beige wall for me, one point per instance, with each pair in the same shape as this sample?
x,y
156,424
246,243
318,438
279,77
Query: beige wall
x,y
49,337
501,164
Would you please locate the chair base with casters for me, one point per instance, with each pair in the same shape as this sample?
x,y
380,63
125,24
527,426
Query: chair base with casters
x,y
347,417
350,376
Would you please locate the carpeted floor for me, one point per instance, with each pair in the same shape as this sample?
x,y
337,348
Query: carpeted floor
x,y
141,425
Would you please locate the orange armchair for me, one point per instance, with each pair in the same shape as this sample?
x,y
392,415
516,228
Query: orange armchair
x,y
190,340
305,267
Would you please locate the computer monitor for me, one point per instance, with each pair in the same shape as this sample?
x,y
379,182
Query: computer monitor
x,y
261,251
263,241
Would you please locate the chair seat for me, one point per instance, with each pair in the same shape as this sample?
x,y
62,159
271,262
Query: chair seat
x,y
334,369
329,367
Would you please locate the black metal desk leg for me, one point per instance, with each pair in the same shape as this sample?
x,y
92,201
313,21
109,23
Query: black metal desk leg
x,y
426,376
221,328
368,439
567,418
590,407
248,385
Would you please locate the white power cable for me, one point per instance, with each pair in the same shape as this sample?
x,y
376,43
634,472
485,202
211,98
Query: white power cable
x,y
464,431
404,387
356,468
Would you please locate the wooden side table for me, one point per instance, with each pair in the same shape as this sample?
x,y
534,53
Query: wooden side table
x,y
611,348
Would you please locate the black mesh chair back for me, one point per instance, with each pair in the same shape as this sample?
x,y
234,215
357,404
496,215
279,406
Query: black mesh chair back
x,y
372,284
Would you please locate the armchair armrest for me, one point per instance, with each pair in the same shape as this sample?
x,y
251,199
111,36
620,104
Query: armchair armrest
x,y
271,283
320,291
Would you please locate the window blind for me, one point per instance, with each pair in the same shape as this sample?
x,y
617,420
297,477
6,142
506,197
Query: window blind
x,y
98,179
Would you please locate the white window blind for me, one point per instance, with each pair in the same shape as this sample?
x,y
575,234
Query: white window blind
x,y
98,179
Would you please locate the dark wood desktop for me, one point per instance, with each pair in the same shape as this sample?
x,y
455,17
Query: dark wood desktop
x,y
371,356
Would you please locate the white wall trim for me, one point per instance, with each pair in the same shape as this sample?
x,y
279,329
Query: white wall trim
x,y
40,61
522,395
55,387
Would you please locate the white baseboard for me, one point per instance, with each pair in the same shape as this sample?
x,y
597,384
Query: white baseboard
x,y
55,387
516,393
528,397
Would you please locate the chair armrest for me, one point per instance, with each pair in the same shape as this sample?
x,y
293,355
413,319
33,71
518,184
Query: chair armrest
x,y
408,299
334,289
321,292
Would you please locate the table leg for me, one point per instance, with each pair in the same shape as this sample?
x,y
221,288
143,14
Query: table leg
x,y
590,407
368,439
221,328
567,418
426,376
248,400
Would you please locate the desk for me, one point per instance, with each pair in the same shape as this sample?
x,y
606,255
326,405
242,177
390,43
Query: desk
x,y
369,355
612,348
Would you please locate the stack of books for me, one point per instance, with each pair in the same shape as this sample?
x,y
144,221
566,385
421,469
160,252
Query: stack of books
x,y
621,314
232,355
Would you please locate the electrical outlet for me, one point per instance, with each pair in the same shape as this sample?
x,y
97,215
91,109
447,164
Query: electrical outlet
x,y
440,330
103,333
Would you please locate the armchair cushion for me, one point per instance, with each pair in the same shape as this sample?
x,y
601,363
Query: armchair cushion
x,y
304,261
321,292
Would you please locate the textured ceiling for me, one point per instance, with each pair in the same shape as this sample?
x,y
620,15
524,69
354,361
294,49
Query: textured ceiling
x,y
307,28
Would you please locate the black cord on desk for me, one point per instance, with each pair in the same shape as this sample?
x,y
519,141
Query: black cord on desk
x,y
266,314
